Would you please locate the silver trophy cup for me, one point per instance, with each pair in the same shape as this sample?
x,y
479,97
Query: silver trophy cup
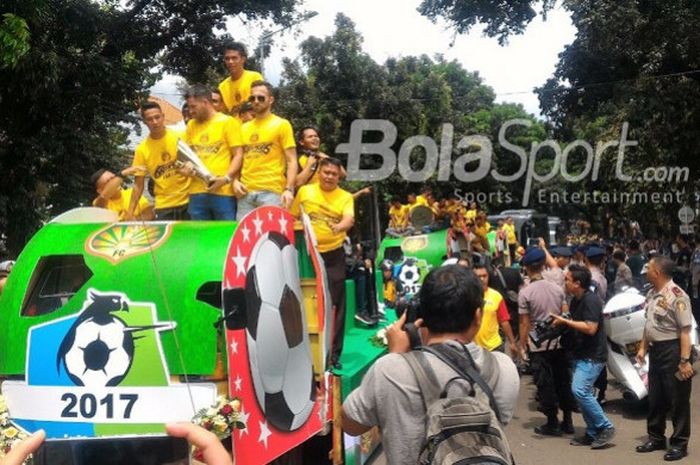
x,y
185,154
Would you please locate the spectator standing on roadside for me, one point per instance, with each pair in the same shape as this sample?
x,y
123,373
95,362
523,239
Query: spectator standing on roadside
x,y
589,355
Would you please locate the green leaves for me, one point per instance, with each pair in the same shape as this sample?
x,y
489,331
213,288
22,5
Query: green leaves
x,y
14,40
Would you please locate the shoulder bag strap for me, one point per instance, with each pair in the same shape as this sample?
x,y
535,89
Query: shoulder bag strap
x,y
427,382
464,365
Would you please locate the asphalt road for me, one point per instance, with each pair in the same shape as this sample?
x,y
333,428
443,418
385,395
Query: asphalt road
x,y
629,420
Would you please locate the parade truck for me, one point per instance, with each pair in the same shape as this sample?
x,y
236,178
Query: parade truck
x,y
113,329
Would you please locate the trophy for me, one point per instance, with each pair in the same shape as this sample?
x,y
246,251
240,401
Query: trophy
x,y
185,154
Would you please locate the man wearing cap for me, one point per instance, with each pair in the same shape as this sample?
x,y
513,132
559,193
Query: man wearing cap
x,y
537,301
595,256
552,271
667,340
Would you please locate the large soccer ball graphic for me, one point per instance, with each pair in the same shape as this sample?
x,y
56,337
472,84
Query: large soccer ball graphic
x,y
101,353
409,276
278,344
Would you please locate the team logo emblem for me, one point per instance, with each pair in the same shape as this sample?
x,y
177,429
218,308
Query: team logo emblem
x,y
414,244
164,156
254,138
121,241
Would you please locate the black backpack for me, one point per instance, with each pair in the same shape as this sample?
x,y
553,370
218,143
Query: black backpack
x,y
459,430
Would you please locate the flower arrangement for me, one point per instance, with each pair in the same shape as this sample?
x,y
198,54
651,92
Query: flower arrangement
x,y
221,418
9,435
379,339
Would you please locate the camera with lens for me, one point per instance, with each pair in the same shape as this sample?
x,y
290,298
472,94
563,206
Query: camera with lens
x,y
409,305
543,331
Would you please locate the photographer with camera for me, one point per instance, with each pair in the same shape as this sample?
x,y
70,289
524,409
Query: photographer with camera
x,y
587,337
550,369
390,395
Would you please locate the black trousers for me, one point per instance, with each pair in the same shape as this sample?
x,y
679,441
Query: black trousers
x,y
334,261
550,370
667,395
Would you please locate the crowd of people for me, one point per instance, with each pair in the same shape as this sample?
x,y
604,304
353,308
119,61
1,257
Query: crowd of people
x,y
554,293
481,307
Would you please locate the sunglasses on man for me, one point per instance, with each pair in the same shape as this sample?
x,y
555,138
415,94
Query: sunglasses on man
x,y
259,98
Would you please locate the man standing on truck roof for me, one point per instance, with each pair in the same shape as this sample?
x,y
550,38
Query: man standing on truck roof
x,y
235,89
156,156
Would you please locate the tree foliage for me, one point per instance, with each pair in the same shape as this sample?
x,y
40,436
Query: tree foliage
x,y
501,18
336,82
65,99
636,62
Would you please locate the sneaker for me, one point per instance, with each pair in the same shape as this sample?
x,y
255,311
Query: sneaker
x,y
381,310
584,440
364,319
604,438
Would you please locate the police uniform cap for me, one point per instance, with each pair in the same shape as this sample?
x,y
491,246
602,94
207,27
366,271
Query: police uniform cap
x,y
562,252
533,255
594,252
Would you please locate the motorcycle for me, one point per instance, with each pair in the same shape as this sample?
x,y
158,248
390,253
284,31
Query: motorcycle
x,y
624,319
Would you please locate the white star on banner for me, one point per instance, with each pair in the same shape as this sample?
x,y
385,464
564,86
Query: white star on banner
x,y
237,383
283,224
239,260
269,216
234,347
257,222
244,419
246,233
264,433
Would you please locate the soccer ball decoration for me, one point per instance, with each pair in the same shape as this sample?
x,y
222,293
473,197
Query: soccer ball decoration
x,y
278,345
97,350
101,354
409,276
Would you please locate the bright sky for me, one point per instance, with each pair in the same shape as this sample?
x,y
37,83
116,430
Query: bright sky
x,y
393,28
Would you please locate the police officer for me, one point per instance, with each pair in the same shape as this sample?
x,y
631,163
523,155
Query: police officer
x,y
667,339
550,368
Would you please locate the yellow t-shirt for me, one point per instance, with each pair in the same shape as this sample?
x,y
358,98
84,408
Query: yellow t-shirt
x,y
236,93
213,141
398,216
510,233
420,200
303,160
264,161
482,230
324,209
488,336
121,205
157,158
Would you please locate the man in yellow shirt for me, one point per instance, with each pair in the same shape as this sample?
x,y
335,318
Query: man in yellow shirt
x,y
235,89
156,156
216,138
494,314
398,219
332,213
111,196
510,236
264,172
